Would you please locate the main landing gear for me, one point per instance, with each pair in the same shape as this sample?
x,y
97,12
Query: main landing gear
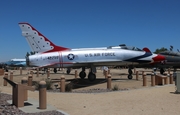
x,y
91,75
68,70
130,73
55,70
82,74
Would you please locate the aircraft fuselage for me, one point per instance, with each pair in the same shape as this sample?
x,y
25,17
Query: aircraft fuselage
x,y
98,57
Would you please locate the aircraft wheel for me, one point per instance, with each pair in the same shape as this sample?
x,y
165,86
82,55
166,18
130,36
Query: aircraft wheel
x,y
91,76
68,71
130,76
82,74
161,71
55,70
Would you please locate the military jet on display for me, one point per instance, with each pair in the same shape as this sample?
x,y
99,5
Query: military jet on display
x,y
172,60
16,63
13,63
50,55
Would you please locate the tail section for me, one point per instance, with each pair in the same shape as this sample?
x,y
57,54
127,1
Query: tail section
x,y
38,42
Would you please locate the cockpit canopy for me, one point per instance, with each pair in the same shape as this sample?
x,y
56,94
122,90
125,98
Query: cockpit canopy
x,y
123,46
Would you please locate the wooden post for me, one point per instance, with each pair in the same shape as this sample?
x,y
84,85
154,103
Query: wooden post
x,y
166,80
20,70
42,95
11,76
24,82
156,80
142,73
171,79
37,72
152,79
62,84
106,74
137,75
109,82
30,80
31,72
6,76
144,80
109,71
76,74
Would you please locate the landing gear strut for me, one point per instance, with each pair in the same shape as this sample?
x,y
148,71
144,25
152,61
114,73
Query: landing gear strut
x,y
91,75
130,73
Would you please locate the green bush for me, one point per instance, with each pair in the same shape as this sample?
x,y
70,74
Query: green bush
x,y
115,87
68,87
36,84
48,84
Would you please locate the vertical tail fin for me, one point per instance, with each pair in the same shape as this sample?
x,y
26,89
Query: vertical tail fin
x,y
38,42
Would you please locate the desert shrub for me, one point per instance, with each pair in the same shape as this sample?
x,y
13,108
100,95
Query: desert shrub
x,y
36,84
115,87
48,84
68,87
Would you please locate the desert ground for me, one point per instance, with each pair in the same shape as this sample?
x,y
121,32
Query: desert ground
x,y
132,98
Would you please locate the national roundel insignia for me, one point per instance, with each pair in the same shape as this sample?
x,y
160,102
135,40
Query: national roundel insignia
x,y
70,56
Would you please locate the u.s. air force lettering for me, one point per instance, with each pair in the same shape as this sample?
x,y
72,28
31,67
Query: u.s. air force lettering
x,y
100,54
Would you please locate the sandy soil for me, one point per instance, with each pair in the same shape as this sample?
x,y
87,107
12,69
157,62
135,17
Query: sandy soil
x,y
138,100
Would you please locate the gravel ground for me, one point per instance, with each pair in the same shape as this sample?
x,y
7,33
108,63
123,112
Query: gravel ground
x,y
8,109
98,90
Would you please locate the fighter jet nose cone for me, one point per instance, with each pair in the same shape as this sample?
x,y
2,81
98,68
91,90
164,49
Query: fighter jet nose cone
x,y
159,58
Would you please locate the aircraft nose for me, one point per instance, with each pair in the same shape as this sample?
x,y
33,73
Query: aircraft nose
x,y
159,58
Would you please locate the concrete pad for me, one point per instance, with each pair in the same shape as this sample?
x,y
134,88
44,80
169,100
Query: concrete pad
x,y
32,106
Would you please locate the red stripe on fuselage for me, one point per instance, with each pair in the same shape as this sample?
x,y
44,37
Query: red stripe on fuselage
x,y
60,61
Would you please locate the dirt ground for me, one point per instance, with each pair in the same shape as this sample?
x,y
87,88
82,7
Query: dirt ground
x,y
147,100
119,78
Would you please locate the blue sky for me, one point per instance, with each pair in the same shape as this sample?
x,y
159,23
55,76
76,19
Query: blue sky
x,y
90,23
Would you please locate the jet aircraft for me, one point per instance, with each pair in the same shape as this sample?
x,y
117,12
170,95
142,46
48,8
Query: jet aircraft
x,y
16,63
172,60
50,55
